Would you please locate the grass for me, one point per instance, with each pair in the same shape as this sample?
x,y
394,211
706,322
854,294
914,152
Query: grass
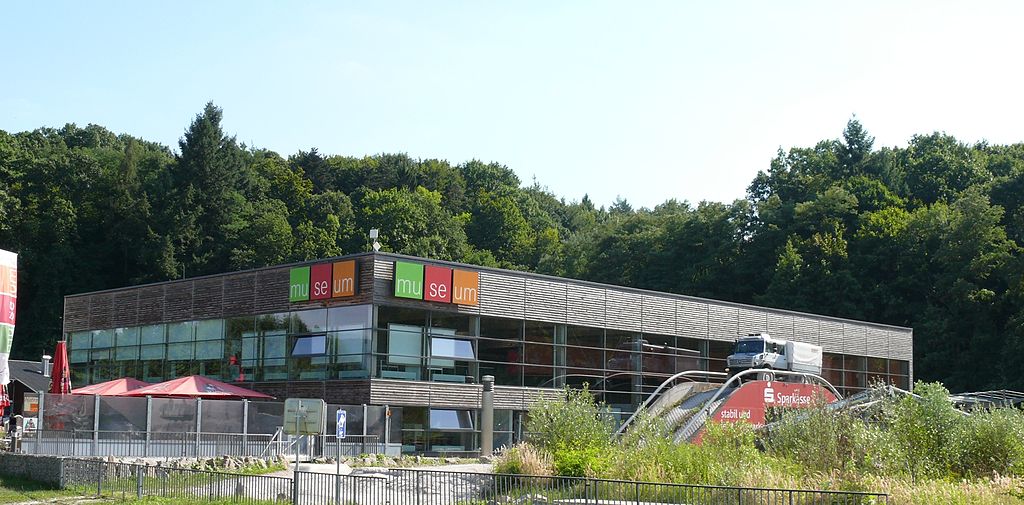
x,y
157,500
17,489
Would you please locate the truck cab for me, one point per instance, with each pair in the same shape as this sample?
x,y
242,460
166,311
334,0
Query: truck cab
x,y
760,350
757,350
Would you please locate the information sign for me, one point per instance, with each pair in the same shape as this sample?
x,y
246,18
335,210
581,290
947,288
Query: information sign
x,y
305,416
342,423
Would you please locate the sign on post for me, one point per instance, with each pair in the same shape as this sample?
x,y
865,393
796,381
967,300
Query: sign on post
x,y
342,423
305,416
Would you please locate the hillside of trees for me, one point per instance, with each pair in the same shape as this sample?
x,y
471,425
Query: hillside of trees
x,y
926,236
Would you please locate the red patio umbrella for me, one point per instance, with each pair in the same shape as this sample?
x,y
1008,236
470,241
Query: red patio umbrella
x,y
111,388
196,386
60,377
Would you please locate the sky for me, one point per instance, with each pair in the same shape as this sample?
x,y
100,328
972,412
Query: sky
x,y
643,101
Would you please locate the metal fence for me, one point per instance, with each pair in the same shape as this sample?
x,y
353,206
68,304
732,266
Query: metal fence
x,y
422,487
79,425
120,480
78,443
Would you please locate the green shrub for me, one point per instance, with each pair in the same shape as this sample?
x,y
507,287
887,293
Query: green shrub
x,y
926,427
991,442
575,422
821,439
577,432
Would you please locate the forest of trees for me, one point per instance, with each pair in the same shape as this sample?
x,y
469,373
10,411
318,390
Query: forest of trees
x,y
926,236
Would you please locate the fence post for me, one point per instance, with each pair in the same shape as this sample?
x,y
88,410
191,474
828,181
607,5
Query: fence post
x,y
95,425
138,481
636,492
99,478
199,422
60,479
40,424
245,427
739,497
365,411
337,488
790,497
295,482
418,487
149,425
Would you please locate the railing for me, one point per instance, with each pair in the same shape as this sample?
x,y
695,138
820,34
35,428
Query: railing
x,y
427,487
156,445
193,445
121,480
419,487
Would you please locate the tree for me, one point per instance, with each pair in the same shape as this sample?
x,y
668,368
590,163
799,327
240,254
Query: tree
x,y
412,222
206,196
498,225
854,148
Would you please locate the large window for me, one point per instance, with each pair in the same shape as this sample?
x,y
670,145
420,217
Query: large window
x,y
539,359
451,359
404,352
452,348
350,341
584,356
315,345
181,332
308,321
102,339
438,431
126,336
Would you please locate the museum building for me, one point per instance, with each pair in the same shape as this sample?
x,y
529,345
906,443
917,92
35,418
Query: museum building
x,y
417,335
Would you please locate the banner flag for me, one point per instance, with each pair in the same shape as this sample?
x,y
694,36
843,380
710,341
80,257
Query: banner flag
x,y
8,304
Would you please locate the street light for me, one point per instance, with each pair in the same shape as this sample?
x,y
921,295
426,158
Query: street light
x,y
373,236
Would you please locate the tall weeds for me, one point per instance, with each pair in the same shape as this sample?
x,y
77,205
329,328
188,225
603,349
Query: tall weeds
x,y
922,451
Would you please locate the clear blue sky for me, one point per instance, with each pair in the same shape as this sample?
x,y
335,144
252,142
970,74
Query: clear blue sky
x,y
643,100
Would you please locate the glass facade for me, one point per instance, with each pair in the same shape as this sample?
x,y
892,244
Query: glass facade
x,y
352,342
317,344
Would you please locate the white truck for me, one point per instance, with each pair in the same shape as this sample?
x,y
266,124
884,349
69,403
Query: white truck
x,y
760,350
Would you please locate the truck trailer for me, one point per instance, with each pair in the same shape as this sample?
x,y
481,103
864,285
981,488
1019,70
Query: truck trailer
x,y
760,350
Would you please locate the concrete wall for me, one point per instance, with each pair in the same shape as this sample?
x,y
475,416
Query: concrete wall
x,y
45,469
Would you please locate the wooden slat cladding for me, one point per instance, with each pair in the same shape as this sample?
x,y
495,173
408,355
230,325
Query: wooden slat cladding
x,y
347,392
901,345
99,310
659,315
381,287
585,305
239,294
432,394
855,340
151,304
502,295
506,294
364,291
271,291
208,298
519,398
126,309
691,319
806,330
830,336
178,301
76,313
624,309
877,342
751,321
780,326
545,300
722,322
